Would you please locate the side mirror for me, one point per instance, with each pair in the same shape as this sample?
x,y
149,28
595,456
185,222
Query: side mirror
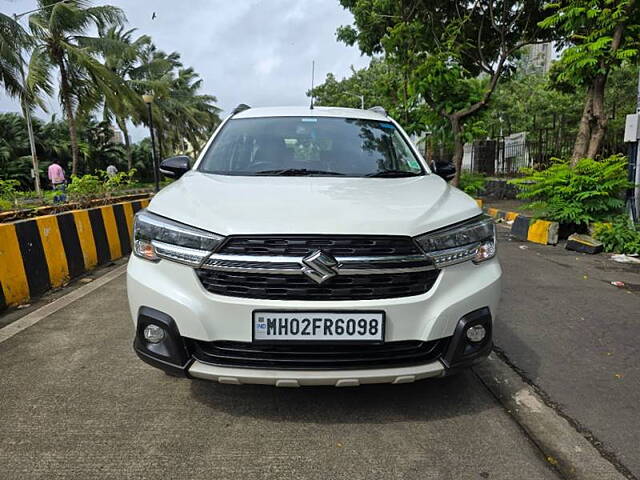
x,y
446,170
175,167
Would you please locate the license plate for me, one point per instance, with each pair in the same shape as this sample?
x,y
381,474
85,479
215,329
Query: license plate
x,y
360,327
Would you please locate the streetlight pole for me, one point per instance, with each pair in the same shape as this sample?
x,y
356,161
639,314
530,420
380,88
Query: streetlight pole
x,y
148,99
32,146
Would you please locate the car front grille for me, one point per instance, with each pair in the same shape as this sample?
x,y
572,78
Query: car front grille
x,y
300,287
317,356
318,267
337,245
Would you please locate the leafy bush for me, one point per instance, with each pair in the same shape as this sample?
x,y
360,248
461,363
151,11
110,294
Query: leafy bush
x,y
119,180
8,189
588,192
620,236
85,188
472,183
8,194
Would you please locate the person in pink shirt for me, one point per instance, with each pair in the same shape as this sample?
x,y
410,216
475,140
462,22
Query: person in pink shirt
x,y
56,175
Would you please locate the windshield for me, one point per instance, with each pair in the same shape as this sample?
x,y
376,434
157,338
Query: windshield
x,y
310,146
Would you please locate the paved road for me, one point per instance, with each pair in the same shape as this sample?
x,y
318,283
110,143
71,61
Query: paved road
x,y
576,336
75,402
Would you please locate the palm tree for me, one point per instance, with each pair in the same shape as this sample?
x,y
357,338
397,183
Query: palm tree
x,y
13,41
155,75
122,55
191,116
58,30
182,113
13,140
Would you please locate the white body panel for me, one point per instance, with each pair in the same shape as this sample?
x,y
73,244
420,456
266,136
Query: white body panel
x,y
175,290
230,205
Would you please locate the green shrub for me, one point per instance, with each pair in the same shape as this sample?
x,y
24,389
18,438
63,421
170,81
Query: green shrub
x,y
85,188
119,180
472,183
8,194
588,192
6,204
620,236
8,189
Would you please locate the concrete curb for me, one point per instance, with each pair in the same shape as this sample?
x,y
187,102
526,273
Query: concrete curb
x,y
562,445
526,228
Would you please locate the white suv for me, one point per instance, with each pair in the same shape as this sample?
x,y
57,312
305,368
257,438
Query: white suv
x,y
311,246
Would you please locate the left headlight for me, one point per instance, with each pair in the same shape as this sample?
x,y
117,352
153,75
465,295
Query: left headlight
x,y
156,237
471,240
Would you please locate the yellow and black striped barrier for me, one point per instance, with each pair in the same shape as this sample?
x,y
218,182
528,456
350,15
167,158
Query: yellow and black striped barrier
x,y
526,228
45,252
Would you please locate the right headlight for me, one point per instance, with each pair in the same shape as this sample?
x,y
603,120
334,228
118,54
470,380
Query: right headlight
x,y
473,240
156,237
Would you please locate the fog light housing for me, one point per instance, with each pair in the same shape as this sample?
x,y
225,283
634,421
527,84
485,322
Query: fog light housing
x,y
476,333
153,333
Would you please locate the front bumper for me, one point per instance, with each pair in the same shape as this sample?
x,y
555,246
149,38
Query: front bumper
x,y
173,293
178,356
338,378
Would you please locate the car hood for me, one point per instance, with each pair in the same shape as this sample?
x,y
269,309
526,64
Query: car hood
x,y
231,205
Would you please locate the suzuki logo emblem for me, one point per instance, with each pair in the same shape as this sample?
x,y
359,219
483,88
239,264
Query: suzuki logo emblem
x,y
320,266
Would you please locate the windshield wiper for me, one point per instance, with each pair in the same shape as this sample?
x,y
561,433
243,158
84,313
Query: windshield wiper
x,y
296,172
393,173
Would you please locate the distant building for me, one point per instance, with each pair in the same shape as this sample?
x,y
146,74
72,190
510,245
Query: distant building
x,y
116,136
537,58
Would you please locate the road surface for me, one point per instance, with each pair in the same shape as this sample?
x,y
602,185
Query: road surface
x,y
76,403
574,335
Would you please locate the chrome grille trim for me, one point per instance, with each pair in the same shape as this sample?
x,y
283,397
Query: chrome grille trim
x,y
289,265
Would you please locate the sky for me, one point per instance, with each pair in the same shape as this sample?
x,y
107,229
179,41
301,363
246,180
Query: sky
x,y
257,52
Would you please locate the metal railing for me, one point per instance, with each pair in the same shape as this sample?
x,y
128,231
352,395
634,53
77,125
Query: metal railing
x,y
506,156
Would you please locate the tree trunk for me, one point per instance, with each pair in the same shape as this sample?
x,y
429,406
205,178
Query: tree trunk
x,y
458,147
581,144
122,124
65,94
600,119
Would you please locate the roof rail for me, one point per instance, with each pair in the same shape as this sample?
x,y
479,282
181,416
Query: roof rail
x,y
240,108
378,109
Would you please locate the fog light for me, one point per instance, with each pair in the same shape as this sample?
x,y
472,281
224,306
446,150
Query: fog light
x,y
153,333
476,333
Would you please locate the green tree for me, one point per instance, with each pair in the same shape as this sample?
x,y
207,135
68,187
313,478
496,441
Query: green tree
x,y
122,55
58,30
451,54
100,150
380,83
530,103
181,113
191,116
13,41
598,37
14,146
